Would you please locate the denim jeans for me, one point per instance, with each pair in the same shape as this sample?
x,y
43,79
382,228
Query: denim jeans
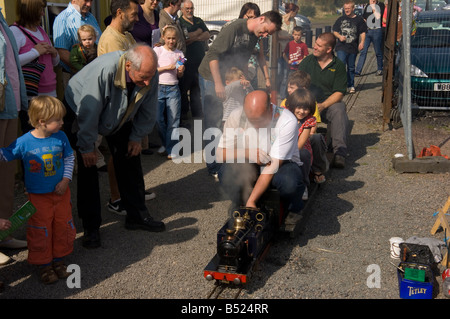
x,y
374,36
349,60
169,111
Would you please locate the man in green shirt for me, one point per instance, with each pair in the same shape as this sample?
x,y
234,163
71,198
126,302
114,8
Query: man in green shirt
x,y
329,84
232,48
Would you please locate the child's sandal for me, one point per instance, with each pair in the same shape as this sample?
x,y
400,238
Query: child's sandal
x,y
48,275
60,269
319,178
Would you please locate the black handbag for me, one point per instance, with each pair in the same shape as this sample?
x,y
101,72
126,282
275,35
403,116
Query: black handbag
x,y
32,71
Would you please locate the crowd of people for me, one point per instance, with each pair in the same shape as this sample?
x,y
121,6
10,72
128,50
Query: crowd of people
x,y
148,69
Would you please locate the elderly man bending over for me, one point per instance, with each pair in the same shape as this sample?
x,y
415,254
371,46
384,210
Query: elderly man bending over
x,y
114,96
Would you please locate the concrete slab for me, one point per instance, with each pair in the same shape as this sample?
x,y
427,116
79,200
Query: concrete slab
x,y
429,164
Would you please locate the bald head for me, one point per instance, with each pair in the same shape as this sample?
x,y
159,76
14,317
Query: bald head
x,y
257,108
141,64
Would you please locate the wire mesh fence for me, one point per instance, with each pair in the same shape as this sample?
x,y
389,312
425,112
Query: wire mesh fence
x,y
423,79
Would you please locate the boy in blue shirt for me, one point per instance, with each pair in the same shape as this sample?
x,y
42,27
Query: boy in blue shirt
x,y
48,166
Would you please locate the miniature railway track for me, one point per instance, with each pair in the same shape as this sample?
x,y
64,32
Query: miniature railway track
x,y
224,291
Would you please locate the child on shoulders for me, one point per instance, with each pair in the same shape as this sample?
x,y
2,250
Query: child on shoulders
x,y
236,88
48,165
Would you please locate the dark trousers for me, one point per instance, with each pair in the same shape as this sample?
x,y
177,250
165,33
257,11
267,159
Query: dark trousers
x,y
128,173
190,83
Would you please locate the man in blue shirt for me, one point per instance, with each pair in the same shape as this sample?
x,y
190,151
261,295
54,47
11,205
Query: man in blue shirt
x,y
66,25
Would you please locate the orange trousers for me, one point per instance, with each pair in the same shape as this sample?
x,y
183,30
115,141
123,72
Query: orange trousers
x,y
50,230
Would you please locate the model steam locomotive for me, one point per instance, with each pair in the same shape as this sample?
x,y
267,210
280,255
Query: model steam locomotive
x,y
241,242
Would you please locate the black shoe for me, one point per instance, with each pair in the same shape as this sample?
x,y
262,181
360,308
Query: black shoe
x,y
339,161
153,145
147,152
357,75
91,239
146,224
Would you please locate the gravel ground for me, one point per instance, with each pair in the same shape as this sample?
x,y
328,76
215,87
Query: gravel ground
x,y
352,217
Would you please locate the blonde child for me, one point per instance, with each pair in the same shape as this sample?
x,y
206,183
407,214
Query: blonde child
x,y
236,88
85,50
302,104
170,68
48,165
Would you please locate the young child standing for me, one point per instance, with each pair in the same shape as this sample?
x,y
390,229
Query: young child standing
x,y
85,51
48,165
302,104
295,50
236,88
170,68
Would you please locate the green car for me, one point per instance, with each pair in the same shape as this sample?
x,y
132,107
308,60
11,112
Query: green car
x,y
430,60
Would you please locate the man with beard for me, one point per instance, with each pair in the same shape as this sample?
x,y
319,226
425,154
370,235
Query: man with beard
x,y
117,36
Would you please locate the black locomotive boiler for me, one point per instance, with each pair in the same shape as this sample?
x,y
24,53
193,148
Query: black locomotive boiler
x,y
240,243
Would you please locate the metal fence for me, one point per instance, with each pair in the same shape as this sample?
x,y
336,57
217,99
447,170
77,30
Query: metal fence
x,y
422,75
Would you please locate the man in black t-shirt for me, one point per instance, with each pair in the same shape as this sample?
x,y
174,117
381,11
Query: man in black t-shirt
x,y
350,31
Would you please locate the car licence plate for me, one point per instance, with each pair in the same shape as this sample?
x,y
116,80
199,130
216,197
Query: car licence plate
x,y
441,86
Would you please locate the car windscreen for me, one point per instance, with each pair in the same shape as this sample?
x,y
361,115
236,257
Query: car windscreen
x,y
431,34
